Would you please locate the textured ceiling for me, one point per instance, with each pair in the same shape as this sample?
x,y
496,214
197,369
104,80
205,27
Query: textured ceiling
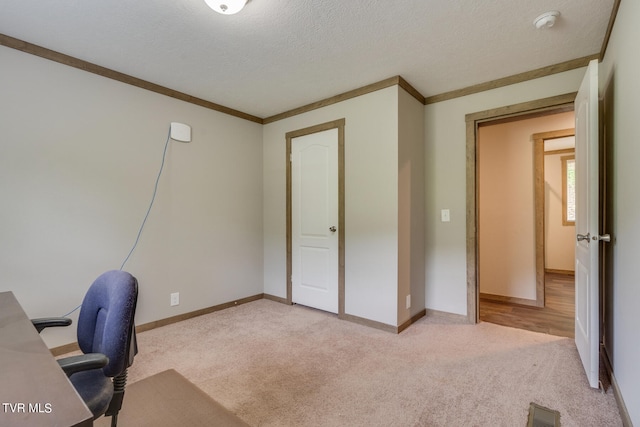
x,y
277,55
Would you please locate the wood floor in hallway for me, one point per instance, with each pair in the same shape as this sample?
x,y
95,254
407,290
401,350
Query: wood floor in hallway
x,y
556,318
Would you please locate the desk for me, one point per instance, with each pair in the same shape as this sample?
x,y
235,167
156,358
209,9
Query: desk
x,y
34,391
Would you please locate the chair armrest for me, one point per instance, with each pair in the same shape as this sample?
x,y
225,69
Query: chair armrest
x,y
84,362
47,322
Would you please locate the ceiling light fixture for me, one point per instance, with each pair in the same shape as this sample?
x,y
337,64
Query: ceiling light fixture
x,y
226,7
546,20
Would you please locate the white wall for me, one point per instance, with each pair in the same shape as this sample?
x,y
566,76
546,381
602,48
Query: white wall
x,y
79,155
560,239
620,79
445,180
371,196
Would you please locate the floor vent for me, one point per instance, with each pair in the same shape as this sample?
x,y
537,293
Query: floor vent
x,y
539,416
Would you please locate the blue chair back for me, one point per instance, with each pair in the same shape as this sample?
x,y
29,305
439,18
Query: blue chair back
x,y
106,321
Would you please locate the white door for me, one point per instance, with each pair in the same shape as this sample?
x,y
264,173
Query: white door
x,y
587,238
314,220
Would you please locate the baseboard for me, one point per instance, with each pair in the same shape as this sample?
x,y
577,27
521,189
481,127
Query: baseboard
x,y
622,408
382,326
64,349
446,316
362,320
68,348
196,313
563,272
413,320
370,323
510,300
276,299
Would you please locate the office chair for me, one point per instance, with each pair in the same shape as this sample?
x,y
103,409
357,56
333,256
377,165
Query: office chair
x,y
106,336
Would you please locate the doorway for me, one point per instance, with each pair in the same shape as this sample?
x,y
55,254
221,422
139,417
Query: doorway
x,y
525,243
320,249
544,107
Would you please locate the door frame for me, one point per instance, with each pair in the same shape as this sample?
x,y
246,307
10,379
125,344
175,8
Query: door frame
x,y
335,124
541,107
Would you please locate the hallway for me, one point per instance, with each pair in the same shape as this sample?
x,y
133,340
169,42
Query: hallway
x,y
556,318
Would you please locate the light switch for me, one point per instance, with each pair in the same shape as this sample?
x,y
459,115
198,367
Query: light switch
x,y
445,215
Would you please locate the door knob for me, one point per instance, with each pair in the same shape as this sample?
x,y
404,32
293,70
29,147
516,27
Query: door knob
x,y
604,238
332,228
581,237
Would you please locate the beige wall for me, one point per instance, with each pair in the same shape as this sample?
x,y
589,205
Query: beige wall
x,y
410,206
620,87
506,204
78,160
559,238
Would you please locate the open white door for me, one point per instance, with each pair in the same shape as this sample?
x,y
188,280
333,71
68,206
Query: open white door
x,y
587,227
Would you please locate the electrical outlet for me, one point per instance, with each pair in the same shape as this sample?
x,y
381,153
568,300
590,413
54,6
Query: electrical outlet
x,y
408,301
175,298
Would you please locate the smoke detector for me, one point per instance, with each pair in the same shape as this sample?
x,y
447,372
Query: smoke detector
x,y
546,20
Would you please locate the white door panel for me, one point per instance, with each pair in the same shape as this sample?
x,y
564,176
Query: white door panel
x,y
315,268
314,220
582,300
587,226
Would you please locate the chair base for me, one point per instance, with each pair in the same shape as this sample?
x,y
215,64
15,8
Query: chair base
x,y
95,388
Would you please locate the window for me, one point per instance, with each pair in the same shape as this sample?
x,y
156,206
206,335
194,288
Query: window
x,y
568,190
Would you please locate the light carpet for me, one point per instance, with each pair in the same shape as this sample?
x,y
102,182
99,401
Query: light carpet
x,y
278,365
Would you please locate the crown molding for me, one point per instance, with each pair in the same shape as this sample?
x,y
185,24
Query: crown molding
x,y
115,75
